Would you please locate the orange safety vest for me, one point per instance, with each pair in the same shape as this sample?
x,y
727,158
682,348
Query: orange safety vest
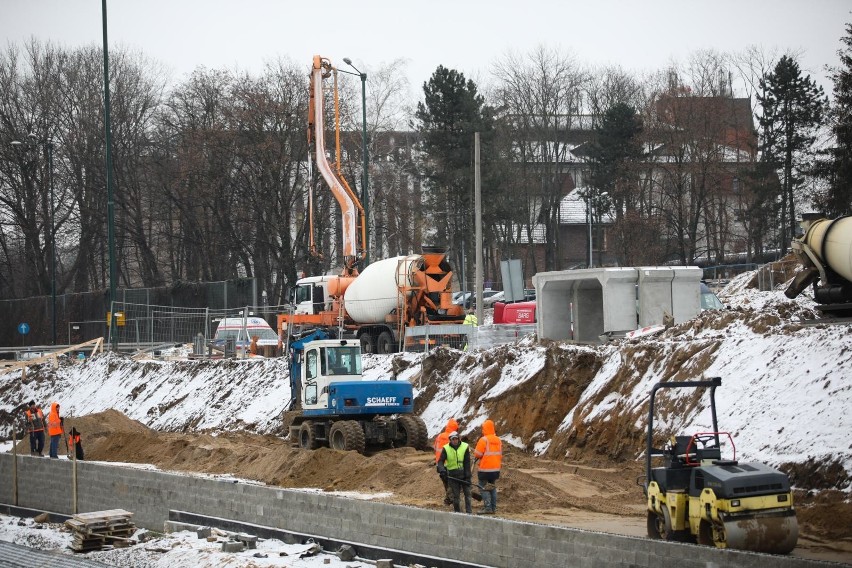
x,y
489,449
54,423
35,420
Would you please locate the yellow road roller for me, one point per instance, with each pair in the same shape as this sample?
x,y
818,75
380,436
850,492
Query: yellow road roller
x,y
696,496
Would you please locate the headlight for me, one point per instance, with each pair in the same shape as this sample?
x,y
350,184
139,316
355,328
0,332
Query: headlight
x,y
735,503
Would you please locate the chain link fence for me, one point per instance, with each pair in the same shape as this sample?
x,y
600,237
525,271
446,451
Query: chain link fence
x,y
464,337
82,316
774,274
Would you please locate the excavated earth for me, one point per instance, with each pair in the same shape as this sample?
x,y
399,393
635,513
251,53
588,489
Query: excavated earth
x,y
586,477
598,494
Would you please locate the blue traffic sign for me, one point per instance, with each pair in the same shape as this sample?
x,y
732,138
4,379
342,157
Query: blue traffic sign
x,y
23,328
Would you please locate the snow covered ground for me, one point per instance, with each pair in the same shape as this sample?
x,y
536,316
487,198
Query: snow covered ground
x,y
786,388
174,550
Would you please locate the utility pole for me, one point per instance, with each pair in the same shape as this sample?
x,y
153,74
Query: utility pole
x,y
477,205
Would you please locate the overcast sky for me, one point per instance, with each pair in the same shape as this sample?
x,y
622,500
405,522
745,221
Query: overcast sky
x,y
463,35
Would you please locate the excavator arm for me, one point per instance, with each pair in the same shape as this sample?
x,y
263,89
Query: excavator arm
x,y
352,215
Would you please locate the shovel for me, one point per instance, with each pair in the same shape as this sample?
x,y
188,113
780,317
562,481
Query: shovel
x,y
476,495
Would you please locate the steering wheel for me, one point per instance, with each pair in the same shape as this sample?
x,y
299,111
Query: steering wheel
x,y
705,440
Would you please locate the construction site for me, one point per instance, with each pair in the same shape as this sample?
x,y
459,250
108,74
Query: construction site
x,y
208,438
639,425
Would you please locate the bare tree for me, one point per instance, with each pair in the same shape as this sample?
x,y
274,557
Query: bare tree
x,y
540,95
27,111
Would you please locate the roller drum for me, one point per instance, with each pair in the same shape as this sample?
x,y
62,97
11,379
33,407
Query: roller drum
x,y
773,534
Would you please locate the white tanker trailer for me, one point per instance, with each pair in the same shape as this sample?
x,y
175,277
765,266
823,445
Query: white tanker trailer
x,y
825,251
376,291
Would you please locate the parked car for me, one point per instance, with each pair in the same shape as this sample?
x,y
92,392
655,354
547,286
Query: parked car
x,y
242,330
709,300
468,299
488,302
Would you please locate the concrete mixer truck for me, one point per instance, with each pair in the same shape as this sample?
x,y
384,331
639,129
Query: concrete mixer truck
x,y
377,305
825,251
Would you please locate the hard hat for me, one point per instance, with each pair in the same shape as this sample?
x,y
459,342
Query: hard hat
x,y
454,435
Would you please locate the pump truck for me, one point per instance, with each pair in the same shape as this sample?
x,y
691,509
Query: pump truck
x,y
333,405
699,497
378,304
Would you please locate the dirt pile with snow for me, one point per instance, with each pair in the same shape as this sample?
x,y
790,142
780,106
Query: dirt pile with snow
x,y
574,416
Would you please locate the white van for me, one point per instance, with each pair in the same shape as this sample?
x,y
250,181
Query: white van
x,y
242,330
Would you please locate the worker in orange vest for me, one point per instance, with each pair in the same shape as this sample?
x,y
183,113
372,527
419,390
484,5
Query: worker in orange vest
x,y
35,427
442,440
75,444
55,429
489,455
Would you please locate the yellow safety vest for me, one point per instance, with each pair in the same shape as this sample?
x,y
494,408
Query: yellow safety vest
x,y
455,456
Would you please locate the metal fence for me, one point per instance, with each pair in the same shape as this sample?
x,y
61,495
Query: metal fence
x,y
82,316
774,274
465,337
144,324
723,273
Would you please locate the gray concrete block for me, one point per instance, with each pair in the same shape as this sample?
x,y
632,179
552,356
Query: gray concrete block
x,y
233,546
346,553
175,526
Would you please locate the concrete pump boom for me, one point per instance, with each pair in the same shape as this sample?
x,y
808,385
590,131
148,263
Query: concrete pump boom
x,y
351,211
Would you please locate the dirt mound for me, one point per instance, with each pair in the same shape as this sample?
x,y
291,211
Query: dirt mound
x,y
600,494
527,483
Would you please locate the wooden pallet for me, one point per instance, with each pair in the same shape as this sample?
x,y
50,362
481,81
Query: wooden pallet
x,y
100,529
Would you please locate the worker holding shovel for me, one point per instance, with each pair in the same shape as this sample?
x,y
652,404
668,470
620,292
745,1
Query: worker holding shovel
x,y
489,454
454,465
441,440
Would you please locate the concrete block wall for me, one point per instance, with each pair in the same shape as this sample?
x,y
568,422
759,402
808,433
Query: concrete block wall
x,y
487,541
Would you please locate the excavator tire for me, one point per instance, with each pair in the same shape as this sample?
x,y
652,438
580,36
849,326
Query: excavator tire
x,y
385,344
413,431
347,435
307,436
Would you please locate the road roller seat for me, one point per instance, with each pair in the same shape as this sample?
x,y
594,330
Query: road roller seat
x,y
681,445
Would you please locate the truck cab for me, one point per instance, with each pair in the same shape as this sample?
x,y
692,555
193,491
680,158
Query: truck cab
x,y
310,294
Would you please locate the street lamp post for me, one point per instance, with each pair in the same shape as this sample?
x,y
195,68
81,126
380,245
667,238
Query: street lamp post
x,y
48,145
596,204
365,160
589,216
593,201
109,183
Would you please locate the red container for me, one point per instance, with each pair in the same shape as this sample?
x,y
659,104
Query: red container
x,y
519,312
498,311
